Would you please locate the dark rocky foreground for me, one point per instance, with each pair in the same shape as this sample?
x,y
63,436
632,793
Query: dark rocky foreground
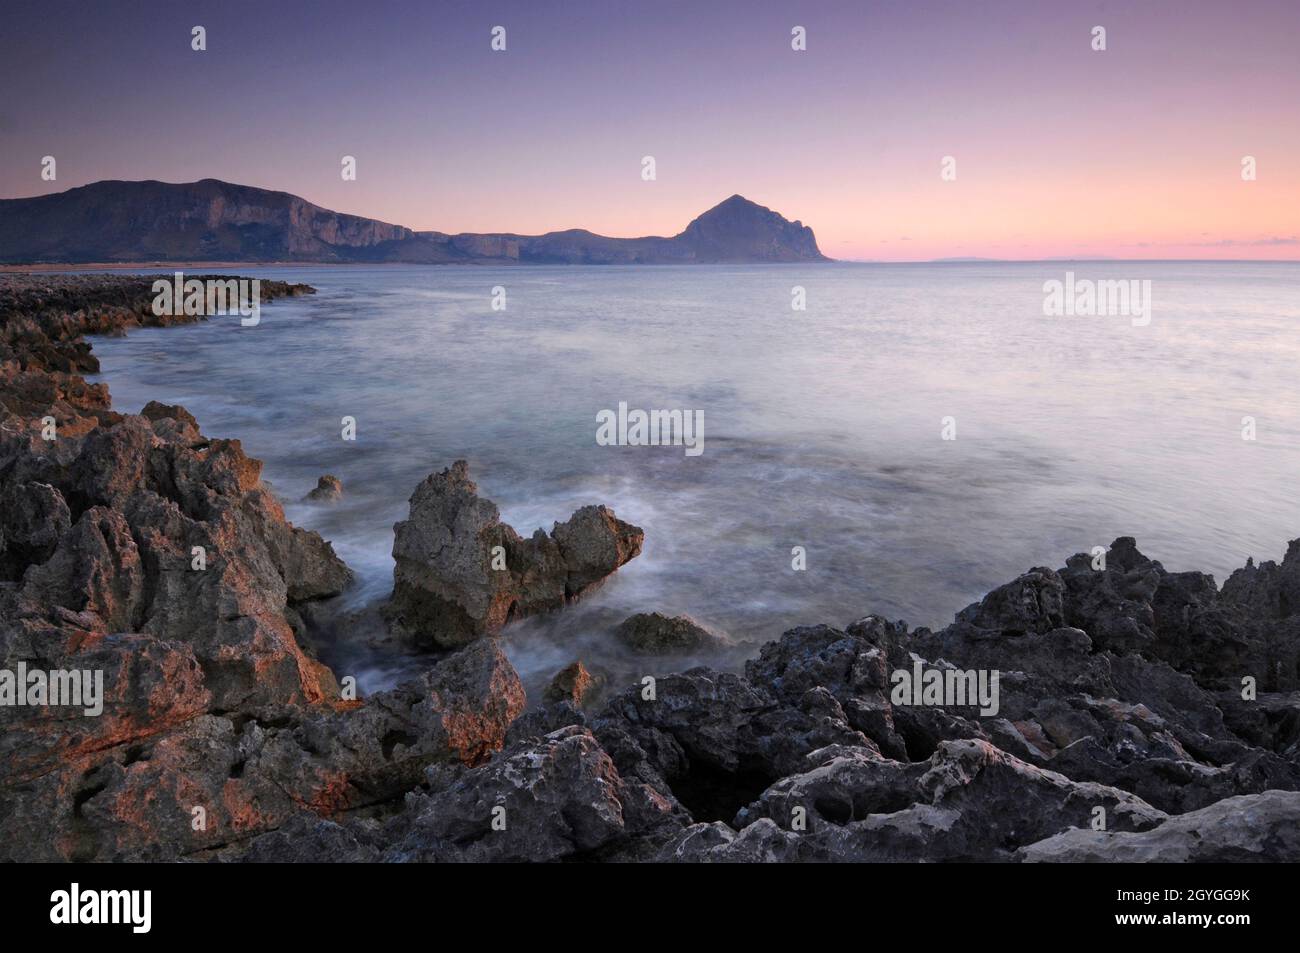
x,y
1121,694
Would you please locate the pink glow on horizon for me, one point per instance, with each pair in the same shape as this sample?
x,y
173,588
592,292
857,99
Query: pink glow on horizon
x,y
1061,151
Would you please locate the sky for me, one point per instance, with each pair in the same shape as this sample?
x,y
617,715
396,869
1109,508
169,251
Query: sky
x,y
1060,150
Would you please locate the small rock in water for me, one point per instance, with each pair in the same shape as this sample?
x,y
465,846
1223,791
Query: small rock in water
x,y
572,683
460,573
653,633
329,489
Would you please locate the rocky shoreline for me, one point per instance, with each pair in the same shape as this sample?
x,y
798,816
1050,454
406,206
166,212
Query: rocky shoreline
x,y
1140,714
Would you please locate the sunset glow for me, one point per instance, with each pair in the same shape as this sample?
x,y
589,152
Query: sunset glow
x,y
1134,152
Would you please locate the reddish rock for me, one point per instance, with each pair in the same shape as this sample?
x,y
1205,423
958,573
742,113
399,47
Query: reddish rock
x,y
572,683
461,573
329,489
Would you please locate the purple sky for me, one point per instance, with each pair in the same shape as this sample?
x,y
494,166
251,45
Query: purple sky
x,y
1134,152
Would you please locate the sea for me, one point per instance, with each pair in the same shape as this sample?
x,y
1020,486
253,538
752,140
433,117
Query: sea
x,y
895,439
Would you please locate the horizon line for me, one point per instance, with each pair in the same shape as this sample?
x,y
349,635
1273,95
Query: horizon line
x,y
946,259
137,266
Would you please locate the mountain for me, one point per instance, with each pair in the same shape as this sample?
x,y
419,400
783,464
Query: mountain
x,y
196,221
740,230
214,221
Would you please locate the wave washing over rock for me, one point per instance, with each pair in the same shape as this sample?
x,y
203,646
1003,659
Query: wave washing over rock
x,y
1140,714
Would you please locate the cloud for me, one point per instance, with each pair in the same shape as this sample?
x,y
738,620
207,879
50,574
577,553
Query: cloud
x,y
1248,243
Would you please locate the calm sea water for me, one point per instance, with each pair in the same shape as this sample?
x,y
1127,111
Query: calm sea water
x,y
822,427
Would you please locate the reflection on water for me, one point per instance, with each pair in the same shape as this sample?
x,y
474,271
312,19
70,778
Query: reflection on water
x,y
822,427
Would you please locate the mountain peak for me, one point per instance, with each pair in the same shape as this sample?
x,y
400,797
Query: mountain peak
x,y
738,230
733,204
214,220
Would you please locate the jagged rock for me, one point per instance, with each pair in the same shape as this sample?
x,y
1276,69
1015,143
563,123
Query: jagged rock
x,y
132,546
308,839
853,666
175,537
1270,721
652,633
1269,590
1135,605
445,589
544,719
1032,603
33,517
559,797
572,684
762,842
156,412
134,799
839,784
1125,721
969,801
96,568
329,489
1113,604
594,543
1257,828
714,740
150,686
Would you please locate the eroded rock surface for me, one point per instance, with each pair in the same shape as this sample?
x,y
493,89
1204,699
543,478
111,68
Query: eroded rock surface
x,y
559,797
134,548
573,684
328,489
652,633
1245,829
810,756
1155,704
462,574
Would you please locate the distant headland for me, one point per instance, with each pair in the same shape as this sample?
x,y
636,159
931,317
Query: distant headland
x,y
215,221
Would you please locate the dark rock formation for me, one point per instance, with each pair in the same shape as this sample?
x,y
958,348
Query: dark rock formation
x,y
544,719
133,795
652,633
852,667
715,741
969,801
306,838
573,684
135,547
1251,828
207,220
461,573
807,758
329,489
557,797
737,230
218,221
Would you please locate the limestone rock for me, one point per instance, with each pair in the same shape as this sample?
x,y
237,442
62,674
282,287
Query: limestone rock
x,y
572,684
329,489
461,573
652,633
1257,828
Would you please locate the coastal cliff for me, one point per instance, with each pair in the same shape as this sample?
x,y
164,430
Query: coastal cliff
x,y
217,221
